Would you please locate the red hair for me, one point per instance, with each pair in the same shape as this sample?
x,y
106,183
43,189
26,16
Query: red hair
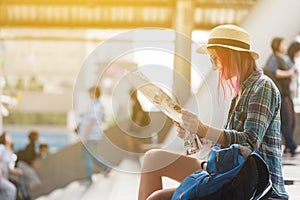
x,y
240,64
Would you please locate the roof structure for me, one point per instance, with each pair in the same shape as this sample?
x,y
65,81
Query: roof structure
x,y
117,14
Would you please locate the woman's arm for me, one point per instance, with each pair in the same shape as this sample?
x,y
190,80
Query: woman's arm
x,y
262,106
194,125
285,73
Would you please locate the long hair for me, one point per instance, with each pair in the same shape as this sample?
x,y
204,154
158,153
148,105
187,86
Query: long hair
x,y
3,138
292,50
234,62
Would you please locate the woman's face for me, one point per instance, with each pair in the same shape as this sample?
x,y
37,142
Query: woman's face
x,y
297,54
216,65
297,58
92,95
283,47
8,139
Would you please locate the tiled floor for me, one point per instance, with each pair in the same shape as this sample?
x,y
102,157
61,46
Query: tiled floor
x,y
291,174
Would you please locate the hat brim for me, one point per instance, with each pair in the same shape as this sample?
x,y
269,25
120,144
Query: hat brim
x,y
203,49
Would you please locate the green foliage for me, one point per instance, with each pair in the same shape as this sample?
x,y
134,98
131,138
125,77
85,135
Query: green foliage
x,y
26,118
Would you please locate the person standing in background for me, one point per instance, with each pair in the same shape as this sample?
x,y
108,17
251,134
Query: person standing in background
x,y
90,132
293,53
139,120
278,66
9,156
139,117
43,150
27,161
7,189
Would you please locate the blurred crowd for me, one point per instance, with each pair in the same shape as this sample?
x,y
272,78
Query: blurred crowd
x,y
283,68
18,175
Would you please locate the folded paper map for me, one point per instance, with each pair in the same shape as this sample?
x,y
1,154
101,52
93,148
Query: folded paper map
x,y
156,95
166,104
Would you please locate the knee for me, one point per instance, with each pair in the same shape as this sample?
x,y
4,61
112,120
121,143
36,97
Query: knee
x,y
160,195
151,159
154,196
152,155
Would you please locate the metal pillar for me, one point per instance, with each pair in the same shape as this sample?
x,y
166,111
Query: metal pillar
x,y
182,59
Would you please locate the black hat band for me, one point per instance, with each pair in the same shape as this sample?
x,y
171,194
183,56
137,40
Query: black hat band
x,y
230,42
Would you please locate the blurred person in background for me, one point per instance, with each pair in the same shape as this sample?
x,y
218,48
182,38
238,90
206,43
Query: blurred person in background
x,y
91,132
139,119
27,161
281,71
43,151
293,53
8,189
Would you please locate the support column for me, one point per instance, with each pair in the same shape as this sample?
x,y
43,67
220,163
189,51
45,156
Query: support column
x,y
183,26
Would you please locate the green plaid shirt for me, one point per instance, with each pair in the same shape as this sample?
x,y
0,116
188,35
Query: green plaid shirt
x,y
255,122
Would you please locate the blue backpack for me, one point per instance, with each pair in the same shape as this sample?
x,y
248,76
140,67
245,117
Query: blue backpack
x,y
233,173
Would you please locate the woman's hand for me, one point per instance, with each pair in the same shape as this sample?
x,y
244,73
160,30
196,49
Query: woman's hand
x,y
180,131
190,121
17,171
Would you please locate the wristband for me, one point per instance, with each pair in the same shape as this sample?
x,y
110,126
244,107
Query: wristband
x,y
202,164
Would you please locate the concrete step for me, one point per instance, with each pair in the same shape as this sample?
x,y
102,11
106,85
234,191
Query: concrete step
x,y
125,186
72,191
121,185
293,191
101,187
290,168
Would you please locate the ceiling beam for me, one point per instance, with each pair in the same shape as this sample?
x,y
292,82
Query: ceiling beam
x,y
205,27
86,25
114,14
240,4
119,3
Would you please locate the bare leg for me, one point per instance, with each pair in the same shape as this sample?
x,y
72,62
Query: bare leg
x,y
159,163
163,194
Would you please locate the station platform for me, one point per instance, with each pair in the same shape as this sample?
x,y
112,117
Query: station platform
x,y
122,185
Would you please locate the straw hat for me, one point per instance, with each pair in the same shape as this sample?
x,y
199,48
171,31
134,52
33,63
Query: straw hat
x,y
229,36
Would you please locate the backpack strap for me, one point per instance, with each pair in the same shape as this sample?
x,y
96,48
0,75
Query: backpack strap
x,y
264,183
